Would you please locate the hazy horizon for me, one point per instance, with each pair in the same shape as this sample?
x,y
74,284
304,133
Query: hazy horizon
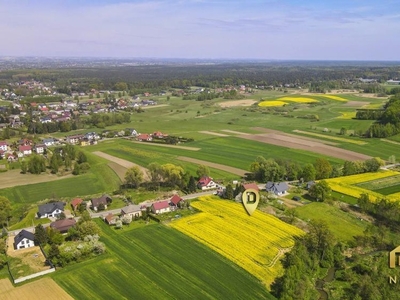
x,y
202,29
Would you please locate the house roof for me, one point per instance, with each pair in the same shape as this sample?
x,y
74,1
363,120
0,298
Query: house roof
x,y
22,235
276,187
24,148
130,209
101,200
252,185
143,136
63,225
75,202
203,181
48,208
175,199
160,204
110,217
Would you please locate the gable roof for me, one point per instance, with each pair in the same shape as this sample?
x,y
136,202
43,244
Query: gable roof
x,y
101,200
130,209
110,217
24,148
23,234
160,205
203,181
48,208
175,199
252,185
63,225
276,187
75,202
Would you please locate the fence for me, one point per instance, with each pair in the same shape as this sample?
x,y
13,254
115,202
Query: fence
x,y
34,275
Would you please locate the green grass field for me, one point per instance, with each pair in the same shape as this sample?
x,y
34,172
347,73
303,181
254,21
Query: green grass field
x,y
343,225
157,262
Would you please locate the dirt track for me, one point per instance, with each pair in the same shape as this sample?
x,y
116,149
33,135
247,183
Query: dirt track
x,y
122,162
232,170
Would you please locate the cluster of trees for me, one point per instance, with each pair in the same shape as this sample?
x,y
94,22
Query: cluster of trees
x,y
389,122
264,170
37,127
103,120
369,114
315,250
64,156
86,232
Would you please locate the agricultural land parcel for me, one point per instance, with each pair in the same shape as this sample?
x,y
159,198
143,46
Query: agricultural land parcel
x,y
355,185
42,289
157,262
253,242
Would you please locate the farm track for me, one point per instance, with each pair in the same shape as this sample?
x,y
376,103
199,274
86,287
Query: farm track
x,y
214,133
228,169
121,162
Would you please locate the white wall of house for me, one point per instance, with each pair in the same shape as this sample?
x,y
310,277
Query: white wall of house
x,y
25,243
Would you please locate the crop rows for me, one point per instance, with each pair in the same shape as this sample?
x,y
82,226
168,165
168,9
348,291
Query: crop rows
x,y
252,242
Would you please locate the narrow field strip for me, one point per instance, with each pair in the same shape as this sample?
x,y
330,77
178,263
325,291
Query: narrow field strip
x,y
169,146
332,137
228,169
235,132
214,133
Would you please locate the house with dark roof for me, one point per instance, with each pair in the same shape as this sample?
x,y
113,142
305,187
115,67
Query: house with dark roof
x,y
175,200
63,225
206,183
132,211
24,239
49,210
104,200
160,207
278,188
310,184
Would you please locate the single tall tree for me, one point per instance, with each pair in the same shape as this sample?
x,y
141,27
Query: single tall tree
x,y
133,176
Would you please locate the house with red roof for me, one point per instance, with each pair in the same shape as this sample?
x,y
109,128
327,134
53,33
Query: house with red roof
x,y
160,207
144,137
206,183
75,203
110,219
174,201
252,185
25,149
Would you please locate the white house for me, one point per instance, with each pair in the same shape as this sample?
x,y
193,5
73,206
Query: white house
x,y
39,149
206,183
3,146
160,207
52,209
133,211
25,149
24,239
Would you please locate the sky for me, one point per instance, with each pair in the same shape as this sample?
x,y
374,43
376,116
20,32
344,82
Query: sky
x,y
205,29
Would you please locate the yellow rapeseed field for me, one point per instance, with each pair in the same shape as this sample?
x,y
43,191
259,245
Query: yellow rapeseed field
x,y
271,103
333,97
253,242
346,185
347,115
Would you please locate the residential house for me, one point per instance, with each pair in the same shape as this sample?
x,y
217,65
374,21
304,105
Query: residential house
x,y
278,188
74,139
24,239
175,200
159,135
75,203
160,207
133,211
103,200
63,225
39,149
49,142
3,146
144,137
110,219
206,183
253,186
25,149
131,131
310,184
52,209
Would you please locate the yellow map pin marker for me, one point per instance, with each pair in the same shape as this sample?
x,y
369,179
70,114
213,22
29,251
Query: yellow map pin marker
x,y
250,199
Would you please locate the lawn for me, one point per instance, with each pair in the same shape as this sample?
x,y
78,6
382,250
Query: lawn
x,y
157,262
343,225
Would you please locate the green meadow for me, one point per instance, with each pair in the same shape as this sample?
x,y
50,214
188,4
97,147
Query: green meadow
x,y
343,225
157,262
